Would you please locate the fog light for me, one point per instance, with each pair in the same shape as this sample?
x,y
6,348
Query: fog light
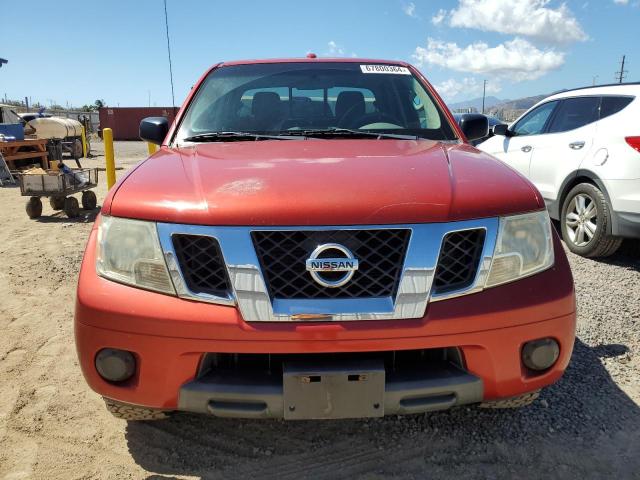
x,y
540,354
115,365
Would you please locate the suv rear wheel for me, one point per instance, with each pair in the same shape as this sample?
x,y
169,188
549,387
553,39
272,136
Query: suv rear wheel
x,y
584,220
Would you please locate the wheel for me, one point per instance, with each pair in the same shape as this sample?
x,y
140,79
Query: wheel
x,y
76,151
133,413
34,207
89,200
71,207
57,203
513,402
584,221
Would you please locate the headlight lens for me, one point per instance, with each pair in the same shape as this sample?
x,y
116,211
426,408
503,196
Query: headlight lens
x,y
129,252
524,247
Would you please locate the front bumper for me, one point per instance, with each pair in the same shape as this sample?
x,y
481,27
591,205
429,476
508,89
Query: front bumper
x,y
169,336
333,395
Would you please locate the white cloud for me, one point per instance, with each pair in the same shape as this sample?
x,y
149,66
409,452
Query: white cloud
x,y
409,9
621,2
531,18
452,87
334,50
439,17
515,60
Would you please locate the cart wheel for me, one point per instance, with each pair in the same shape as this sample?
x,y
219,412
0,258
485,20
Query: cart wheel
x,y
34,207
57,203
71,207
89,200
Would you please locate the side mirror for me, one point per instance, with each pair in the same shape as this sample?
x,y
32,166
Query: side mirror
x,y
474,126
154,129
502,130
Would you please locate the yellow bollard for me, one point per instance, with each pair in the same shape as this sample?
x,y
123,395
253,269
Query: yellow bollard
x,y
152,147
107,137
84,143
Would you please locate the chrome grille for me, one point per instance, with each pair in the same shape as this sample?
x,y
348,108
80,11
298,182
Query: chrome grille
x,y
282,256
458,262
202,264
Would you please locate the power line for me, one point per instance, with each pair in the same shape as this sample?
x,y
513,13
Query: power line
x,y
484,91
166,23
622,73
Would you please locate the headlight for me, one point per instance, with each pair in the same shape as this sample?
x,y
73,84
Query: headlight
x,y
129,252
524,247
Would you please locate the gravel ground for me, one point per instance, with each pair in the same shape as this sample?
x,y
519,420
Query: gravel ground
x,y
53,426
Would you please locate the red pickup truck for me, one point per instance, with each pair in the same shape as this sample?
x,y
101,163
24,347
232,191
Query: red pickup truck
x,y
316,238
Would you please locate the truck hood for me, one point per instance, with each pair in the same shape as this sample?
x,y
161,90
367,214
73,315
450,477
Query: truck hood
x,y
321,182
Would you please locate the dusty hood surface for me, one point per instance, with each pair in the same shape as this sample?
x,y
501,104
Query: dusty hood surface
x,y
321,182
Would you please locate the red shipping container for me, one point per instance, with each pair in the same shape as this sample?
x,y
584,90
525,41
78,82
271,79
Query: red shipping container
x,y
125,121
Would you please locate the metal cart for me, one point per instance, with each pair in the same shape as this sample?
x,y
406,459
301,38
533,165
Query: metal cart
x,y
59,187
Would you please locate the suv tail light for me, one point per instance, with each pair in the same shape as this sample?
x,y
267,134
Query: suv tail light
x,y
634,142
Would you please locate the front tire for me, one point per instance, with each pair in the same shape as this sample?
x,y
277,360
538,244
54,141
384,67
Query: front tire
x,y
125,411
584,222
513,402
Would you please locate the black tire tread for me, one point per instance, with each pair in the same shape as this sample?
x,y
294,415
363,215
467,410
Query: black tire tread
x,y
513,402
125,411
89,200
57,203
71,207
34,207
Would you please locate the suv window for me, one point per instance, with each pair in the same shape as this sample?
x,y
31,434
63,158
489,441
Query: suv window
x,y
575,113
611,105
533,122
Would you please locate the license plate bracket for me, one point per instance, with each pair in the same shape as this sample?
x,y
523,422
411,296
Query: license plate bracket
x,y
341,389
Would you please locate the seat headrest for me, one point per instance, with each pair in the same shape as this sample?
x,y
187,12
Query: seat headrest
x,y
265,103
352,102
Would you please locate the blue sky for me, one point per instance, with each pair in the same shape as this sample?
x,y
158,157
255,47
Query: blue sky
x,y
77,51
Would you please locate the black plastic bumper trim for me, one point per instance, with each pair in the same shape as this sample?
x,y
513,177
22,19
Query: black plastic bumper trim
x,y
245,396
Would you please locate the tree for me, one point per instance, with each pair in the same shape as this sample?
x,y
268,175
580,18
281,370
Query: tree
x,y
99,104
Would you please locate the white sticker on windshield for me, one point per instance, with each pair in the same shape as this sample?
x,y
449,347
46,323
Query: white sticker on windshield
x,y
385,69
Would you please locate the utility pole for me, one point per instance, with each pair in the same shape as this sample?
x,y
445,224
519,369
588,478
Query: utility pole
x,y
484,91
622,73
595,77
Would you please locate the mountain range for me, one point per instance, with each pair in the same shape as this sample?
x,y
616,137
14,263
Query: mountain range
x,y
496,104
489,102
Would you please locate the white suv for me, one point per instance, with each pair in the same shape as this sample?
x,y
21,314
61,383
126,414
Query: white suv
x,y
581,148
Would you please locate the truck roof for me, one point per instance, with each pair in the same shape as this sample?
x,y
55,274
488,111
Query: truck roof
x,y
315,60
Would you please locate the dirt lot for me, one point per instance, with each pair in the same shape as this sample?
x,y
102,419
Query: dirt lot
x,y
53,426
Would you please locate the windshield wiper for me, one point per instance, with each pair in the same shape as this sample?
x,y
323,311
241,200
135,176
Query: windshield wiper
x,y
349,133
236,137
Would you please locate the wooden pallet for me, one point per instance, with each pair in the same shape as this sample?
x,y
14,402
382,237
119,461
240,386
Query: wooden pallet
x,y
25,149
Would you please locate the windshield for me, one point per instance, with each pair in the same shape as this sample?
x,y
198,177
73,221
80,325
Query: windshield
x,y
306,98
